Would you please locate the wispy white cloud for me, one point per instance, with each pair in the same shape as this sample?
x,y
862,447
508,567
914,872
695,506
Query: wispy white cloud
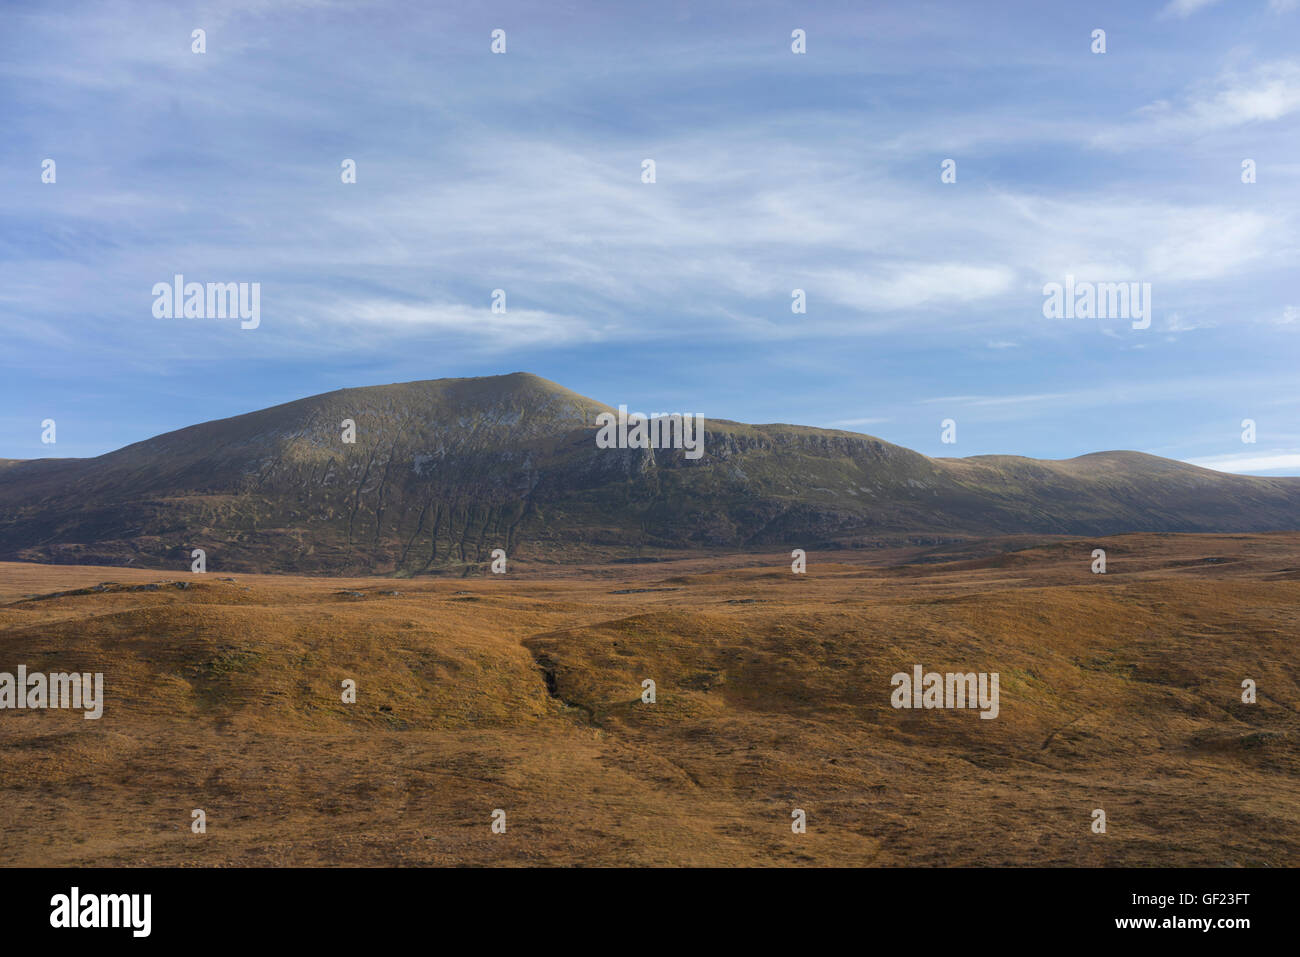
x,y
1270,91
997,400
493,331
1177,322
1185,8
867,421
1248,462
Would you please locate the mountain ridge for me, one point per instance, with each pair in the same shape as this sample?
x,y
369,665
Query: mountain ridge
x,y
443,471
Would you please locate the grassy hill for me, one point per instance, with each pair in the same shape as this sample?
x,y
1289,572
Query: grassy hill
x,y
442,472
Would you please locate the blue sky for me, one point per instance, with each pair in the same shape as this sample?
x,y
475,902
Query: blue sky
x,y
774,171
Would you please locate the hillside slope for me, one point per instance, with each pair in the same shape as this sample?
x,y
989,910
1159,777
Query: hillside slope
x,y
443,471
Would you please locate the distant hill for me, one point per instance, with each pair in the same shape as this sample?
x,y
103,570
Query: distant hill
x,y
443,471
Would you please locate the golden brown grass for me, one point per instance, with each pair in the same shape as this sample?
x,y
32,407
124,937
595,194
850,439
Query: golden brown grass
x,y
522,692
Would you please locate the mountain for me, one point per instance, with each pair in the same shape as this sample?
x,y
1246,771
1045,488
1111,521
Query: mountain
x,y
444,471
